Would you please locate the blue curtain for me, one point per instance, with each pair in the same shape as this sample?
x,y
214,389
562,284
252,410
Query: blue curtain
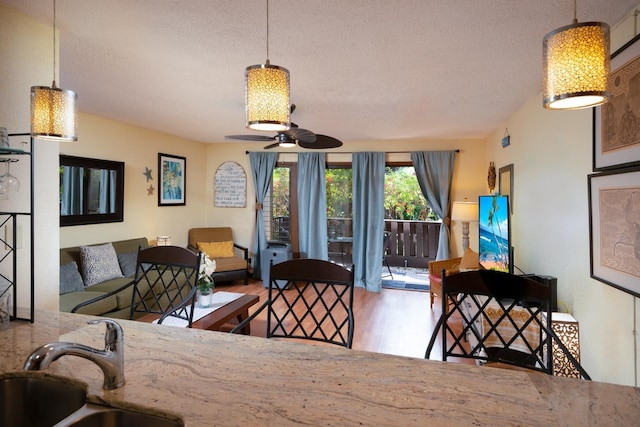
x,y
71,198
368,219
434,170
312,206
262,165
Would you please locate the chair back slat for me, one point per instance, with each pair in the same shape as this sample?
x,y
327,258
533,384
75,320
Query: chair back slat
x,y
165,283
496,317
311,299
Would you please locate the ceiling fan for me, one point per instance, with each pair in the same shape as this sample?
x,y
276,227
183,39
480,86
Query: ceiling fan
x,y
289,138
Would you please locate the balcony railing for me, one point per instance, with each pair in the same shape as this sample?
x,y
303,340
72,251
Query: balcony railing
x,y
412,243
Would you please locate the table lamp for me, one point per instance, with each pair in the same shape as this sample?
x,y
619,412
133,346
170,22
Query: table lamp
x,y
465,212
567,329
163,240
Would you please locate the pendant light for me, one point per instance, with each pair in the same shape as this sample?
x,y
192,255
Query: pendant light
x,y
576,64
267,95
53,110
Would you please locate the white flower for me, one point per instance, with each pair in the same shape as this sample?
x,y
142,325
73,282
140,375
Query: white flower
x,y
207,268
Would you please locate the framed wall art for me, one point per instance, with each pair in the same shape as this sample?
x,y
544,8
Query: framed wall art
x,y
614,228
230,184
172,180
616,124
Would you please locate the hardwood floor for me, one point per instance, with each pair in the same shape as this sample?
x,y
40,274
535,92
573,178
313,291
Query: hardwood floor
x,y
394,321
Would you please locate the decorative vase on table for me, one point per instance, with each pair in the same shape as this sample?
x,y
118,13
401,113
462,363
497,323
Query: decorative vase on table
x,y
205,281
204,298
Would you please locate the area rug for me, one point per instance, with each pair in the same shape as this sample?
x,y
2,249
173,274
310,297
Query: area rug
x,y
402,284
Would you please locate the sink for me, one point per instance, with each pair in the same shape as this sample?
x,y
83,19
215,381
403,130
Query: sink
x,y
38,400
27,400
103,416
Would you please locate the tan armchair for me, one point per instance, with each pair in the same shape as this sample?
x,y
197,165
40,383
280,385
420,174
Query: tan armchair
x,y
232,260
451,265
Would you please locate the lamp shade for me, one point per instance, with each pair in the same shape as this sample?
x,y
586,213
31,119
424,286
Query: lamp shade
x,y
267,97
163,241
464,211
576,64
53,113
567,329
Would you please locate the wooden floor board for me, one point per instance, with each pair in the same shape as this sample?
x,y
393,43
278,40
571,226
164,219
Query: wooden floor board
x,y
393,321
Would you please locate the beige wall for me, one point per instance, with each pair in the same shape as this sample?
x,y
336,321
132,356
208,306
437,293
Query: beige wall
x,y
26,60
138,148
552,156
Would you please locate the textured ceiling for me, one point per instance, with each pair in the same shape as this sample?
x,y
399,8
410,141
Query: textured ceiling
x,y
360,69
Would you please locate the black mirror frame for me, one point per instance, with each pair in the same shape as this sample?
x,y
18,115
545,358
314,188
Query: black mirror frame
x,y
118,216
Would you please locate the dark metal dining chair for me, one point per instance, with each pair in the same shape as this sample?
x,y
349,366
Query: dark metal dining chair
x,y
309,299
165,283
506,321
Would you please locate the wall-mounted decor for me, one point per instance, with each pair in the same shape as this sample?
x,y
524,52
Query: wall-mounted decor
x,y
230,184
616,124
491,177
172,180
614,228
91,191
147,174
505,183
506,139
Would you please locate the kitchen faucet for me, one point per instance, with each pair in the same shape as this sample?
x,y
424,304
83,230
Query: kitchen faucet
x,y
110,360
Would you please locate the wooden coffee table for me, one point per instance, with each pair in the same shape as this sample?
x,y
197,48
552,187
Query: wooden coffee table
x,y
237,309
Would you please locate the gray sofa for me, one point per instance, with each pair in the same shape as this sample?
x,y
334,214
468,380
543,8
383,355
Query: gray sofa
x,y
79,291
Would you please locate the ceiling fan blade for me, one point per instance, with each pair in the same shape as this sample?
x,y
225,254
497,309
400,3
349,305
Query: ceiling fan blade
x,y
262,138
270,146
302,135
321,142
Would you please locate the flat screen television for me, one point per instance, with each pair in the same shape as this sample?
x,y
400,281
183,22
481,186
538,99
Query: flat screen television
x,y
495,233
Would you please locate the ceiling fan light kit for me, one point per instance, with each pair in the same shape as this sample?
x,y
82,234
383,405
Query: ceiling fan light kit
x,y
576,65
54,111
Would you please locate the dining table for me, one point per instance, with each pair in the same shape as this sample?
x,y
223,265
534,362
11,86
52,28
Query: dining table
x,y
209,378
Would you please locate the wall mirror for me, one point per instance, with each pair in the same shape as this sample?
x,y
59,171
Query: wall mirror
x,y
91,191
505,183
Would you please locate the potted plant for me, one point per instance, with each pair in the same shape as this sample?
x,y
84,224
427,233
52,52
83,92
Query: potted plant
x,y
205,282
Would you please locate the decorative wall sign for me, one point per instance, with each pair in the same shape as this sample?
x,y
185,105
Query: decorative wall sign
x,y
614,228
230,185
172,180
616,124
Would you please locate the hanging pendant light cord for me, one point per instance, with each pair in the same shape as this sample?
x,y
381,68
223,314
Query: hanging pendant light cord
x,y
575,11
267,31
53,85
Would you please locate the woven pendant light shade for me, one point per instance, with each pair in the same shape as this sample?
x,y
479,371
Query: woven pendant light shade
x,y
267,97
53,113
576,66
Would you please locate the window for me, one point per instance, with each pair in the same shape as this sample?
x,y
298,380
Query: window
x,y
339,201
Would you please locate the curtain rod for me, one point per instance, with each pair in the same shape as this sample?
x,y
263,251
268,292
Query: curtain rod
x,y
457,150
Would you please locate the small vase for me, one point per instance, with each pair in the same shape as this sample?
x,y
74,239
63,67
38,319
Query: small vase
x,y
204,299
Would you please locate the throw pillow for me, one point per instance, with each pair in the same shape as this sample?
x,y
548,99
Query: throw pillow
x,y
469,260
70,279
99,263
217,249
128,263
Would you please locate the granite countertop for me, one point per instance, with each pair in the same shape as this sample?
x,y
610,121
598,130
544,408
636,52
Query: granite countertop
x,y
209,378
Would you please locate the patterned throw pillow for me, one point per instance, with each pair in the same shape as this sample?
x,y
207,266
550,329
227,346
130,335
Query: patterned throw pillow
x,y
99,263
217,249
70,279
